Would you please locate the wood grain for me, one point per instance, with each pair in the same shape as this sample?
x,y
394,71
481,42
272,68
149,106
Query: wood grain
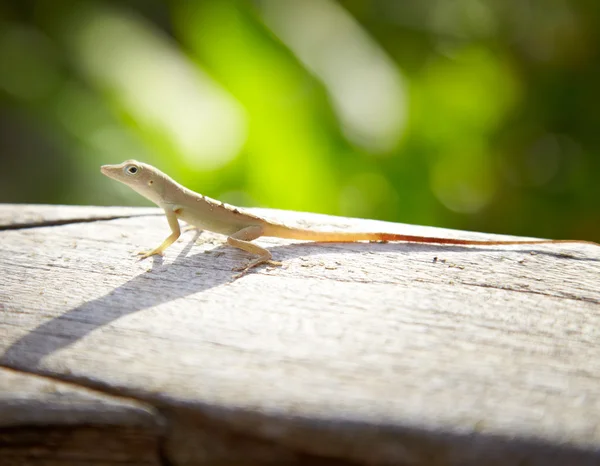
x,y
372,353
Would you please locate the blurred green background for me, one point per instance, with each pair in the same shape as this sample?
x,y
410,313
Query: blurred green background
x,y
471,114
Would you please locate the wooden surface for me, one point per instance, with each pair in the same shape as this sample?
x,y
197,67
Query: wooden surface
x,y
348,354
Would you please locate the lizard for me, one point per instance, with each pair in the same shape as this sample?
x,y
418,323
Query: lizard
x,y
242,227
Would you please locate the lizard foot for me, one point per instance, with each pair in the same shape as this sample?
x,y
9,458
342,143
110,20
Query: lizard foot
x,y
146,254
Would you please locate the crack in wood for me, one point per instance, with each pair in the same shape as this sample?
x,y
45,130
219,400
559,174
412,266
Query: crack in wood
x,y
59,222
550,295
73,382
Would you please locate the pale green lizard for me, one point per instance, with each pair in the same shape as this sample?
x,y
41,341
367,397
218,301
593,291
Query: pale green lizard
x,y
241,227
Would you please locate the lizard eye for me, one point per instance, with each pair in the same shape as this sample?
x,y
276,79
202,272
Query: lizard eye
x,y
131,169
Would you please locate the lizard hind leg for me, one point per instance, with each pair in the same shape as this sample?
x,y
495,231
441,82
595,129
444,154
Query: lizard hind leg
x,y
241,240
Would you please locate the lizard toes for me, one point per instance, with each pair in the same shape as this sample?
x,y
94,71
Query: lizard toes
x,y
145,255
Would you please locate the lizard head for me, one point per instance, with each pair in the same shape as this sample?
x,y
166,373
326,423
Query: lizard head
x,y
141,177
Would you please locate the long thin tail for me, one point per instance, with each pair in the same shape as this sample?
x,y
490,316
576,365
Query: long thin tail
x,y
282,231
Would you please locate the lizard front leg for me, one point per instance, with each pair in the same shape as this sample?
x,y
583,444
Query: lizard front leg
x,y
241,240
175,232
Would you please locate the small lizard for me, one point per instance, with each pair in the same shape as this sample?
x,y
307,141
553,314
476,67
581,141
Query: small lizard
x,y
241,227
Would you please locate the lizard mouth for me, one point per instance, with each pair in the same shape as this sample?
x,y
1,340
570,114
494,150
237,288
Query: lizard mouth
x,y
107,170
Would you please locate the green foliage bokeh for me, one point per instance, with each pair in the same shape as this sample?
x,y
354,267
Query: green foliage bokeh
x,y
491,106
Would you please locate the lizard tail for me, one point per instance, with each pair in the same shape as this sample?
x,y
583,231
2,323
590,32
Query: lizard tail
x,y
282,231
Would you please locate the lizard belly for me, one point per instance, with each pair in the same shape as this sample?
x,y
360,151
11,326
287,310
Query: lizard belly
x,y
207,222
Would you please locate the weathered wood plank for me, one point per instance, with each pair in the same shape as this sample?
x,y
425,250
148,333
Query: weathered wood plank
x,y
385,353
45,421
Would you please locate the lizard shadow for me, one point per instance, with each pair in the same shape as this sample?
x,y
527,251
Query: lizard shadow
x,y
162,283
